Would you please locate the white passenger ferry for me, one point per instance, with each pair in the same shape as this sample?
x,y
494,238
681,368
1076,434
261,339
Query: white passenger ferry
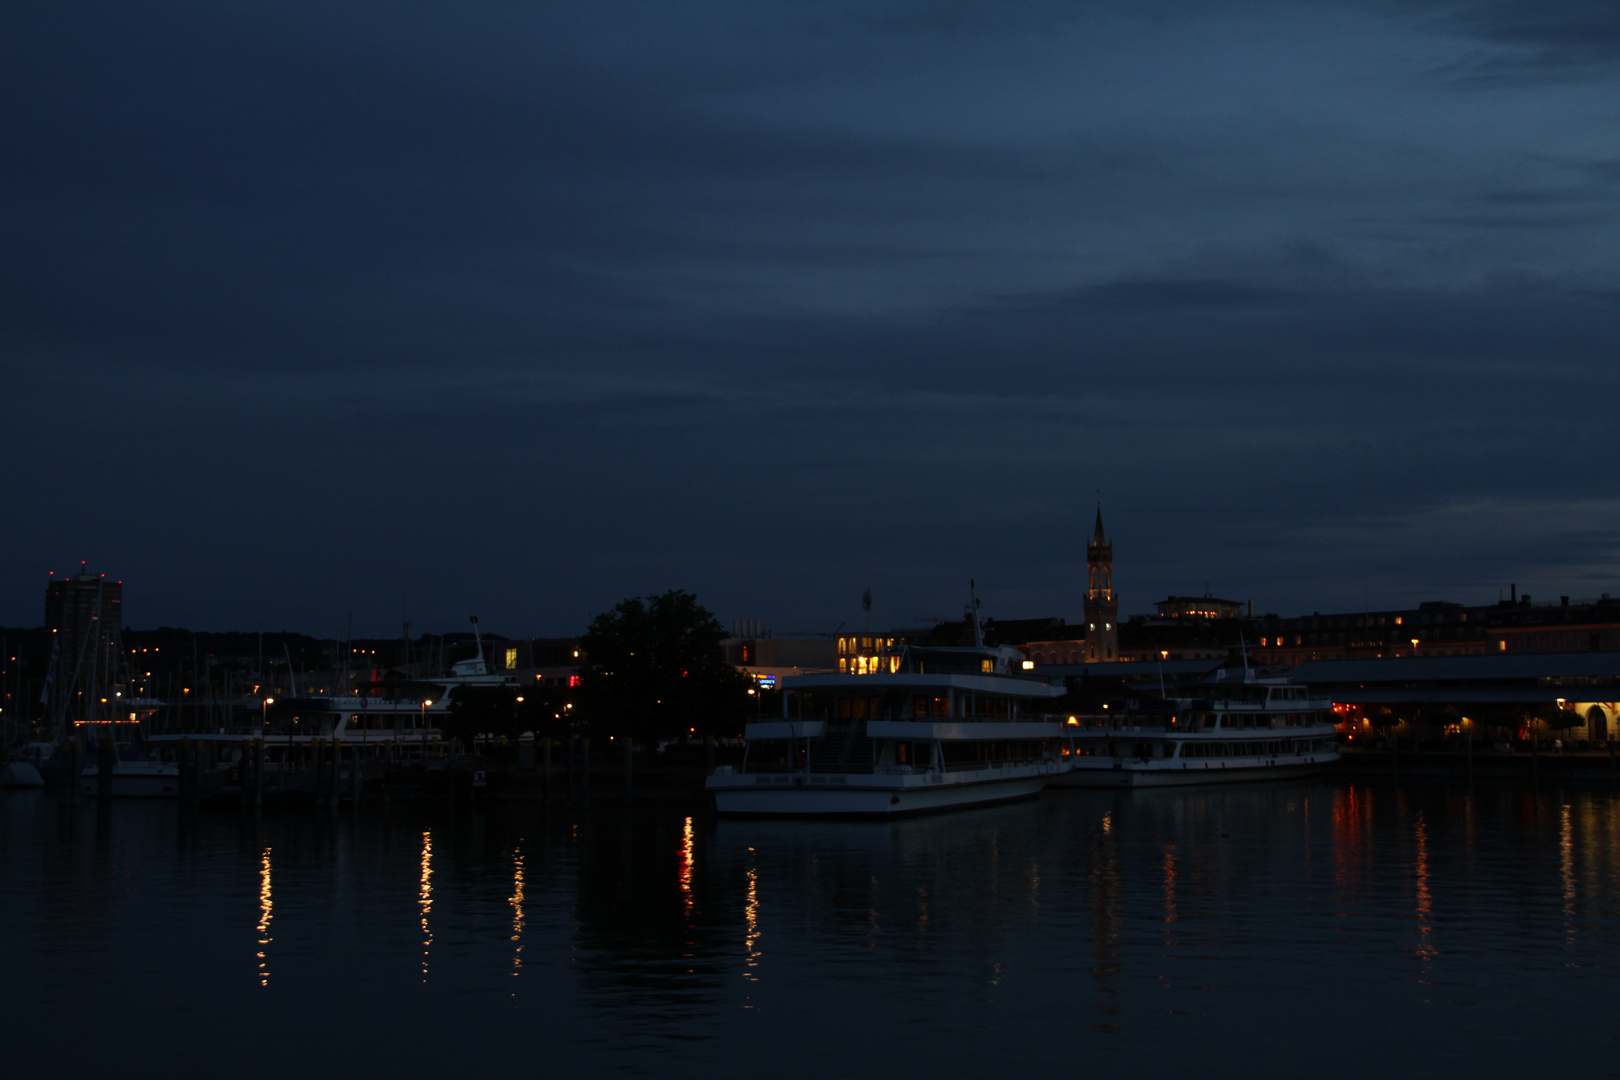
x,y
1236,728
929,729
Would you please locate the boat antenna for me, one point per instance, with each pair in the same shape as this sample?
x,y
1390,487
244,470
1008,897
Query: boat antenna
x,y
1244,646
477,637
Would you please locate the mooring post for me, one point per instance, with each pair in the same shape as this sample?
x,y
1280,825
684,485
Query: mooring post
x,y
573,740
317,755
585,771
545,788
69,765
258,772
104,770
629,769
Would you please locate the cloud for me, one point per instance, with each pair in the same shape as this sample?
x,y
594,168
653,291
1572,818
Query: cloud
x,y
759,298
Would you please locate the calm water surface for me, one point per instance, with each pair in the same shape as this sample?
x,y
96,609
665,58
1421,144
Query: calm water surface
x,y
1322,929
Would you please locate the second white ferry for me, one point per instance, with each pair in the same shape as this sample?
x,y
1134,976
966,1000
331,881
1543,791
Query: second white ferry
x,y
1235,728
923,729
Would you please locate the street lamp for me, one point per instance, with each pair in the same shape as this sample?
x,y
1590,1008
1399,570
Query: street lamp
x,y
1414,646
264,711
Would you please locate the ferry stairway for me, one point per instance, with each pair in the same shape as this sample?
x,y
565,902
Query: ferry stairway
x,y
844,751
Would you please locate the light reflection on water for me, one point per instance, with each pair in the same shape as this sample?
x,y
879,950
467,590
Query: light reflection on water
x,y
424,899
265,906
1342,930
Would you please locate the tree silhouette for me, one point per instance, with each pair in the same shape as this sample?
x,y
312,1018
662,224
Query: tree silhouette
x,y
654,667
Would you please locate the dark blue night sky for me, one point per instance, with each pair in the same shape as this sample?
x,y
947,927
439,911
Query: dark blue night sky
x,y
311,310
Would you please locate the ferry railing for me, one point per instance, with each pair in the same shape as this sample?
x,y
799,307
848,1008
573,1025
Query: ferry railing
x,y
837,722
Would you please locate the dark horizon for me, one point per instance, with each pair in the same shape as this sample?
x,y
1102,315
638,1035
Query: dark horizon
x,y
320,310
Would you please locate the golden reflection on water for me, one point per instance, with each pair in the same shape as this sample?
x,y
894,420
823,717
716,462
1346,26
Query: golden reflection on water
x,y
264,917
684,869
517,910
1425,902
751,927
425,898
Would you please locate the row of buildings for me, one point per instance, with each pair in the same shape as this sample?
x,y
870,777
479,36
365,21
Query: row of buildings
x,y
90,653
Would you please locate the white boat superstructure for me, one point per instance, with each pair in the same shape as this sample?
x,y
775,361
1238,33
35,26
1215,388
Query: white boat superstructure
x,y
141,779
932,729
1234,729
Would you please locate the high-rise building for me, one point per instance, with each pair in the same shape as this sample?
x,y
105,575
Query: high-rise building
x,y
1102,606
84,612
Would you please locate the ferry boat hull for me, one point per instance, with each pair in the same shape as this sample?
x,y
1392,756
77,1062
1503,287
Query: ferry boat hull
x,y
867,795
1190,774
140,779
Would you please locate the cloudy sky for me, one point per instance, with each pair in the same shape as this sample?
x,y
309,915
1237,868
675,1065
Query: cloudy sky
x,y
330,309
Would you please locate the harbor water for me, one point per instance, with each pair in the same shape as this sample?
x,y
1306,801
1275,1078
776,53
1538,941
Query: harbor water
x,y
1322,929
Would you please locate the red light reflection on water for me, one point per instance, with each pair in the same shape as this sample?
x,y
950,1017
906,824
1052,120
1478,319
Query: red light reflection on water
x,y
684,867
1169,883
1425,901
1349,832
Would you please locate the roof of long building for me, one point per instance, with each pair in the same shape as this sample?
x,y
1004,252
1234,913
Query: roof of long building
x,y
1583,665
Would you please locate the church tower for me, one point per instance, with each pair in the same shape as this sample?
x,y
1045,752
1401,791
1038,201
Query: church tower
x,y
1102,608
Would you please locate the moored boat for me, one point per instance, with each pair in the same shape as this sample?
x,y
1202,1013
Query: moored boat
x,y
924,729
143,778
1233,729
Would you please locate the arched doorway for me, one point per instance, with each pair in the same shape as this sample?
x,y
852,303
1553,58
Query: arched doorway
x,y
1597,724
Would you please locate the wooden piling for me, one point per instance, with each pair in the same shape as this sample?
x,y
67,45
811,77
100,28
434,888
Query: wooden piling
x,y
258,772
546,783
629,770
105,761
585,771
70,770
573,740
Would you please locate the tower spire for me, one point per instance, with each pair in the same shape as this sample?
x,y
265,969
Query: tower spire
x,y
1102,606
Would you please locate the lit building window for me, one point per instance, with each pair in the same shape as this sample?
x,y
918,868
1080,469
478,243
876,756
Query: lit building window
x,y
511,659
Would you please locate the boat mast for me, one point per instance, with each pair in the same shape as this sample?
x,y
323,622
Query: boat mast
x,y
973,611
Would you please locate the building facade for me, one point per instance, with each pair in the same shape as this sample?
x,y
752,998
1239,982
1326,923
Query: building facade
x,y
1514,626
84,613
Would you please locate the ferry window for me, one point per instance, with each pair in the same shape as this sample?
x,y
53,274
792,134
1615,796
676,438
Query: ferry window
x,y
986,665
